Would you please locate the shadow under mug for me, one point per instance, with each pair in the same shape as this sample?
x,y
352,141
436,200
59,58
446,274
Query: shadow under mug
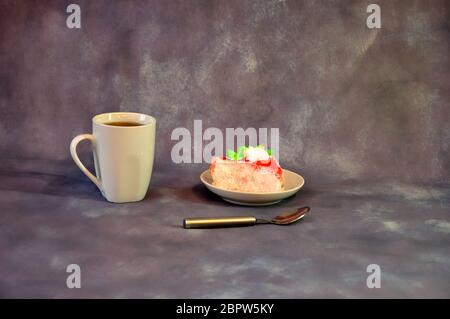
x,y
123,155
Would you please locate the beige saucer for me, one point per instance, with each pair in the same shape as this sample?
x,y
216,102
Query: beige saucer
x,y
292,182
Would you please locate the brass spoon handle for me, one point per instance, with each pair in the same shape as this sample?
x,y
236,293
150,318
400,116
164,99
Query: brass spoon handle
x,y
213,222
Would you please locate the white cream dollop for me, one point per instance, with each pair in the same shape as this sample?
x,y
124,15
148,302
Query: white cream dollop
x,y
254,154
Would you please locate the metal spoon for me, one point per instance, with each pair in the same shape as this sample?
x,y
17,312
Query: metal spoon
x,y
217,222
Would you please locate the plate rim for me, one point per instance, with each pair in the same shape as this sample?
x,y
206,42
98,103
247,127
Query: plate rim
x,y
256,193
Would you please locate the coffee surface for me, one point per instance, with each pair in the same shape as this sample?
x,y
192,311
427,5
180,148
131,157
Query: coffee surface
x,y
121,123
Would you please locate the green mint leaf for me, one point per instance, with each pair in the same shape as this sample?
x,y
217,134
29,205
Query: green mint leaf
x,y
242,148
269,151
231,155
241,152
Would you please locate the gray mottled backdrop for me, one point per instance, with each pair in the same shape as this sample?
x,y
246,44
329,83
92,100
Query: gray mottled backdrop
x,y
363,115
349,101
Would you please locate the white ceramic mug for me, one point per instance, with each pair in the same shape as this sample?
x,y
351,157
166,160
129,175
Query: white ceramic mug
x,y
123,155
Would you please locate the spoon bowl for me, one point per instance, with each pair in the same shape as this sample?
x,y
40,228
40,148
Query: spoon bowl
x,y
289,217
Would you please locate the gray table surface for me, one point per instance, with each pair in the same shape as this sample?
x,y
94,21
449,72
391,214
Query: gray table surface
x,y
52,216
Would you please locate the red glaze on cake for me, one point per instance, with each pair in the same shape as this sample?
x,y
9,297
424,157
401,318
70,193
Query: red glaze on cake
x,y
256,172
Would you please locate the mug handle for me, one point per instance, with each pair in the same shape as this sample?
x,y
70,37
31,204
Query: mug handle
x,y
73,152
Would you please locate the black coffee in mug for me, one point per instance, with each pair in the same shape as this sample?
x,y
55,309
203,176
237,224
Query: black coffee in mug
x,y
122,123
